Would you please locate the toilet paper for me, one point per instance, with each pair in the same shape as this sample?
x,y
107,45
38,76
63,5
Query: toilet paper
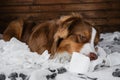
x,y
114,59
79,63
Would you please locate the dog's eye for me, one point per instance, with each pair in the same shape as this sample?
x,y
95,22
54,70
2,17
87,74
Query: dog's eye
x,y
80,38
83,38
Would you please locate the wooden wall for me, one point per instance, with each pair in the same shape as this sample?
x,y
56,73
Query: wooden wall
x,y
105,13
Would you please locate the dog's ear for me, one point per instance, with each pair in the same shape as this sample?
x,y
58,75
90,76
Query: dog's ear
x,y
65,23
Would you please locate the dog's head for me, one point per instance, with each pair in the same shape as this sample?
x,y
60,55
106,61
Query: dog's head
x,y
73,34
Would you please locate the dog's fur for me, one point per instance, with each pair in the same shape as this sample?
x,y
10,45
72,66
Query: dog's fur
x,y
69,33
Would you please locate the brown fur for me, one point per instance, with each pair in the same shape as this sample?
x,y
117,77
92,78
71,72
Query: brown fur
x,y
14,29
69,33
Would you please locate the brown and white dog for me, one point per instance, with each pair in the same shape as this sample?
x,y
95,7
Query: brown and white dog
x,y
67,34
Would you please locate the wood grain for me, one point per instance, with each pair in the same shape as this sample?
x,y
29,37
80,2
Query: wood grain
x,y
104,13
71,1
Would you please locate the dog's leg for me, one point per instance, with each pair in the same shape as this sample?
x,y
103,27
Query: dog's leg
x,y
14,29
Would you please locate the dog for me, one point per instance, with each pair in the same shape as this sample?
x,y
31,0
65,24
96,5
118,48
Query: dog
x,y
68,34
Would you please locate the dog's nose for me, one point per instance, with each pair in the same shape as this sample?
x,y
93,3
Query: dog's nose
x,y
92,56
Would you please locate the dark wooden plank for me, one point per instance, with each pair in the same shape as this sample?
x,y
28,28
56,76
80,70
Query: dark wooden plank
x,y
115,6
52,15
108,28
112,21
71,1
59,8
14,9
16,2
72,7
101,14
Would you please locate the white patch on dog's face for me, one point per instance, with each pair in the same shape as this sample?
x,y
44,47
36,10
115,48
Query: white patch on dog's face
x,y
89,47
93,37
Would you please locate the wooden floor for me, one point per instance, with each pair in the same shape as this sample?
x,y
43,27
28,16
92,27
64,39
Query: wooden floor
x,y
104,13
